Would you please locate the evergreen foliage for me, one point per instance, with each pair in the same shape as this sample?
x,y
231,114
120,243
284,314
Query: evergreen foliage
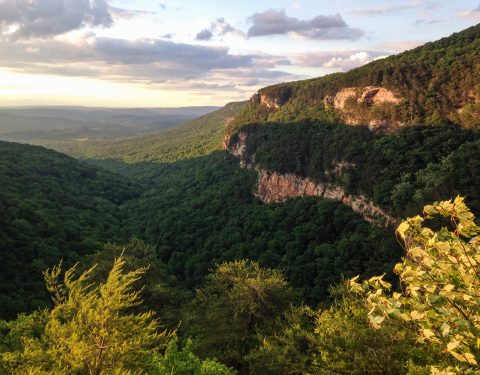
x,y
91,329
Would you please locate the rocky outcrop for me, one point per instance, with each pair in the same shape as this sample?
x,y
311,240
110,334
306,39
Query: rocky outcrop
x,y
269,102
355,104
369,96
275,187
376,95
238,147
339,100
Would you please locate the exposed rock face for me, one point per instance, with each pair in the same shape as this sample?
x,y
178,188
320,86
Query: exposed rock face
x,y
340,98
369,97
238,148
228,120
268,102
275,187
375,95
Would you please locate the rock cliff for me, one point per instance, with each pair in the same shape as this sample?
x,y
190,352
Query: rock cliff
x,y
355,105
277,187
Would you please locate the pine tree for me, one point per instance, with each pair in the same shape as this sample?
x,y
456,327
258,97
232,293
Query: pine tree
x,y
92,329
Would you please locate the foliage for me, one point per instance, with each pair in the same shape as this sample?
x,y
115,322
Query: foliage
x,y
400,172
185,362
345,343
194,138
435,81
52,207
288,350
441,284
338,340
202,212
91,329
160,292
237,300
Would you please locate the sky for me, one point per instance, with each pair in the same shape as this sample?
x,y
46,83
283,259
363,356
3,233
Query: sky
x,y
172,53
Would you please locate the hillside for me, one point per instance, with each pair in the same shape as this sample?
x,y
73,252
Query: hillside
x,y
436,83
321,137
198,260
190,139
30,124
52,207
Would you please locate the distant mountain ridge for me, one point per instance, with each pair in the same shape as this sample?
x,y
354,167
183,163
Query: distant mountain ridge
x,y
28,124
193,138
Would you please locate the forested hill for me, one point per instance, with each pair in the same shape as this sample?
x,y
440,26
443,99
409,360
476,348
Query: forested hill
x,y
52,207
191,139
394,134
432,84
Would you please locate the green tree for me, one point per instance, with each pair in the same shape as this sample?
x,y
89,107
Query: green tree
x,y
184,362
159,291
338,340
92,328
441,284
239,299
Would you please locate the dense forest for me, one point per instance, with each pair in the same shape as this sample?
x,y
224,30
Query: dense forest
x,y
400,172
438,83
152,255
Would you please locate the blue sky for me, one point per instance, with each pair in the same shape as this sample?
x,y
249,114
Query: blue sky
x,y
204,52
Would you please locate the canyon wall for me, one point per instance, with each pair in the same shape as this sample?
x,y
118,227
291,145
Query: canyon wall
x,y
276,187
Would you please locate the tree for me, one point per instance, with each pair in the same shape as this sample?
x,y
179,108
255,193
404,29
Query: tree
x,y
185,362
159,291
338,340
441,284
238,300
92,329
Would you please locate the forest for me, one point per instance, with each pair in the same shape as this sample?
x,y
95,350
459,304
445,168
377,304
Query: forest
x,y
152,255
438,82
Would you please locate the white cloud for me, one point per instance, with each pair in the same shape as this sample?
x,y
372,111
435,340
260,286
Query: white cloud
x,y
336,60
471,14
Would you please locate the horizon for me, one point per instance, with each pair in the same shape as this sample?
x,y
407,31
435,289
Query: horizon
x,y
135,54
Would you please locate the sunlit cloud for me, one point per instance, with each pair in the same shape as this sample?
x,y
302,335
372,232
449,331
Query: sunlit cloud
x,y
337,60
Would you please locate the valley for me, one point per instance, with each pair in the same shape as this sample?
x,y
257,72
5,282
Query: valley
x,y
232,239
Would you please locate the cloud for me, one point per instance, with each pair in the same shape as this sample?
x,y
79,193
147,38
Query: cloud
x,y
219,28
384,9
205,34
337,60
425,21
276,22
147,61
403,45
471,14
23,19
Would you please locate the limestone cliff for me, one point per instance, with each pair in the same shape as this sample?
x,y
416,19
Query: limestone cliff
x,y
355,105
277,187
